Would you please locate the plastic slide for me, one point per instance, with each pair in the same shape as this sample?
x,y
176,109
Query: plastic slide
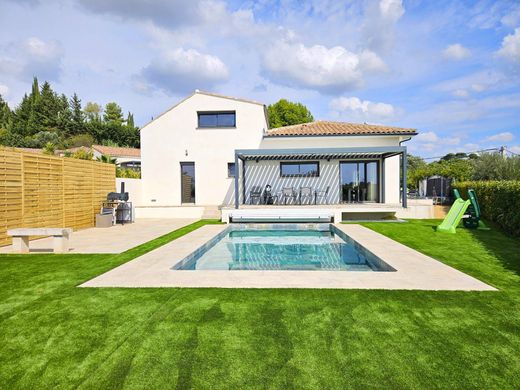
x,y
474,219
457,210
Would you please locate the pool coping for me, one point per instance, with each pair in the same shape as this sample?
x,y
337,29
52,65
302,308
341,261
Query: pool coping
x,y
414,270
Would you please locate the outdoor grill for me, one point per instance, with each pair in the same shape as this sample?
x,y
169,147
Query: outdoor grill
x,y
117,204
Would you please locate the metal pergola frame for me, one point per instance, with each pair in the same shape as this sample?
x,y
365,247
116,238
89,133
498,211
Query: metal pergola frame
x,y
382,152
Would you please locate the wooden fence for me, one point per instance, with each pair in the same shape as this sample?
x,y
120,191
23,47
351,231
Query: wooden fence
x,y
38,190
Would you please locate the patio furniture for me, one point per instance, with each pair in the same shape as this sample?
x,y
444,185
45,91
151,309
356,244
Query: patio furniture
x,y
305,192
21,238
268,197
255,192
323,194
288,193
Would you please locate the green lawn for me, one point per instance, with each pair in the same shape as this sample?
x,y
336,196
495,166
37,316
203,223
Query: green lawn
x,y
54,335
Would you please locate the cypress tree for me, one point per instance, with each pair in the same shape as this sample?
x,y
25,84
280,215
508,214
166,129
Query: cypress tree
x,y
78,117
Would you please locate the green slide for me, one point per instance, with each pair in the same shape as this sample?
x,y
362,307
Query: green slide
x,y
474,219
457,210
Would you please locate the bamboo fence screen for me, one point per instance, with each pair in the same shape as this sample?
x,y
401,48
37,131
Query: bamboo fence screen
x,y
38,190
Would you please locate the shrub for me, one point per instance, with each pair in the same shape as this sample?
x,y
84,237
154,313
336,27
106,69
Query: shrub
x,y
128,173
499,202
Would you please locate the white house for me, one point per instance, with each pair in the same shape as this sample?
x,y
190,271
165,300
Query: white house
x,y
212,151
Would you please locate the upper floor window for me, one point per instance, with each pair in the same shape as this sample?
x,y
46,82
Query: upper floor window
x,y
217,119
299,169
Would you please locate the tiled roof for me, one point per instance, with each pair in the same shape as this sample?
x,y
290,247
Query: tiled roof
x,y
114,151
320,128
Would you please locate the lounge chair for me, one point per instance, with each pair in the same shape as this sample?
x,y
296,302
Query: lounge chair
x,y
305,192
323,194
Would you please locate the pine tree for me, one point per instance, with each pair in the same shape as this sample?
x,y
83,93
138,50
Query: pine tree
x,y
5,114
45,111
64,117
113,114
78,117
21,116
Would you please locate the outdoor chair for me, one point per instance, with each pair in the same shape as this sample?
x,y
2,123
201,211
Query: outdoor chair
x,y
323,194
255,192
288,193
305,193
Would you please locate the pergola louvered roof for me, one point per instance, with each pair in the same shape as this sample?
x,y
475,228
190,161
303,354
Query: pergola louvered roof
x,y
319,153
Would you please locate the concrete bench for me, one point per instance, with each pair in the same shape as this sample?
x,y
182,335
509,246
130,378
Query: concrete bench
x,y
21,238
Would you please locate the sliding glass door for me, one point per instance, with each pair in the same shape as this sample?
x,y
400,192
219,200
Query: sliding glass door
x,y
359,181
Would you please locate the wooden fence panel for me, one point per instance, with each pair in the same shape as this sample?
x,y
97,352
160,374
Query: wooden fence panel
x,y
11,203
38,190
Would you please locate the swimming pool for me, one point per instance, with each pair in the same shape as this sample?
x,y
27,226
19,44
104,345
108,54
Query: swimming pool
x,y
311,247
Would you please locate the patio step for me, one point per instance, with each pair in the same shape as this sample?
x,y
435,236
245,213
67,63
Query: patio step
x,y
211,212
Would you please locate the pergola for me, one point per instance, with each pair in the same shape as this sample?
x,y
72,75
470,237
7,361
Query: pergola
x,y
382,152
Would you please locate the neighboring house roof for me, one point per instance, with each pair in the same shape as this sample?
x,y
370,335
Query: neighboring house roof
x,y
115,151
112,151
198,92
325,128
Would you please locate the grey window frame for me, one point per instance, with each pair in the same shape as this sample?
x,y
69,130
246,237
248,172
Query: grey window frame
x,y
199,113
228,165
282,163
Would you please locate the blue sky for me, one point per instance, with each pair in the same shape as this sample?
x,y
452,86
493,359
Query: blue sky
x,y
451,69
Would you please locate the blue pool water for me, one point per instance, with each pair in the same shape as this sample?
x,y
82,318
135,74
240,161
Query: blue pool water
x,y
283,248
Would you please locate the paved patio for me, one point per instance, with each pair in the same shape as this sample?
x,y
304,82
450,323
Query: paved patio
x,y
415,271
115,239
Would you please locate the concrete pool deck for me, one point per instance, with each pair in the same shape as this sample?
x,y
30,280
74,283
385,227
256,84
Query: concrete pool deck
x,y
415,271
115,239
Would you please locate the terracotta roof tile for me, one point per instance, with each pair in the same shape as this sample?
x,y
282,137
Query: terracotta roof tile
x,y
321,128
114,151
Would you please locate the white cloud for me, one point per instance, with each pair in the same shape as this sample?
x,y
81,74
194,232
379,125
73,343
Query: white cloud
x,y
510,49
361,109
4,90
318,67
456,52
501,137
32,57
461,93
379,25
181,71
427,137
391,10
515,149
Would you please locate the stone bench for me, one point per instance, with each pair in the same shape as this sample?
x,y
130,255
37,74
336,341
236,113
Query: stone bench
x,y
21,238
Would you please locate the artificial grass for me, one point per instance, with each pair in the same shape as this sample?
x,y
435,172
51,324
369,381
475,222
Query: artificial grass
x,y
55,335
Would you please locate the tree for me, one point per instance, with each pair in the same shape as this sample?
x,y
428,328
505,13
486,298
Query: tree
x,y
493,166
285,113
93,111
5,114
77,115
130,120
113,114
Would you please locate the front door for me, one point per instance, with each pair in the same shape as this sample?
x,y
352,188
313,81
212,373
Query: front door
x,y
359,181
187,182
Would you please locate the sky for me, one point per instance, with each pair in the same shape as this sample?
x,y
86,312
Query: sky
x,y
450,69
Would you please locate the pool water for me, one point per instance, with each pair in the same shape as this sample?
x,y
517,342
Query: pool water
x,y
283,249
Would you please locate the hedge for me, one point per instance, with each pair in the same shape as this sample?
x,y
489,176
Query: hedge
x,y
499,202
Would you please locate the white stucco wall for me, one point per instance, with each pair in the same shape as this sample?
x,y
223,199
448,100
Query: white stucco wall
x,y
174,138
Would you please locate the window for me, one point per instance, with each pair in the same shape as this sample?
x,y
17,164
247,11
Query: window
x,y
217,119
231,169
299,169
